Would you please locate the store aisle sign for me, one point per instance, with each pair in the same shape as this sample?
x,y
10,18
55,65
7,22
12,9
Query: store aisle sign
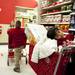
x,y
27,3
7,11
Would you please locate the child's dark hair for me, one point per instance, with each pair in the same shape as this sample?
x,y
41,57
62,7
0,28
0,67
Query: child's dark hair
x,y
18,24
52,33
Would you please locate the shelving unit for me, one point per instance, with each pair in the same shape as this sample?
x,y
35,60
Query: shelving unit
x,y
58,5
56,13
60,12
72,29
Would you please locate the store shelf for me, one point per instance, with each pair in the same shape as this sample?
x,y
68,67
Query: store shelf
x,y
58,5
71,29
58,14
72,13
67,11
56,23
66,33
24,8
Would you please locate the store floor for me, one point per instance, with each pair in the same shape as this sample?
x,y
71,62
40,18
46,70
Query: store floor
x,y
8,70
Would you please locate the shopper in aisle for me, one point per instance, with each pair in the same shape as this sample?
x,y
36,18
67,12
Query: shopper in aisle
x,y
46,46
18,43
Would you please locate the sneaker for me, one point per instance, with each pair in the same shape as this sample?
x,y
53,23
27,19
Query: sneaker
x,y
17,70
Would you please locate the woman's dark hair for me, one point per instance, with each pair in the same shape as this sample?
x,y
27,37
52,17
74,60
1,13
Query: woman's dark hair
x,y
52,33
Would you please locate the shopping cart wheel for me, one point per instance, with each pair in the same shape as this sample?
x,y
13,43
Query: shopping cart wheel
x,y
8,62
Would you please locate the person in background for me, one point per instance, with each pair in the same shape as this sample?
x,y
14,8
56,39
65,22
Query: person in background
x,y
18,43
46,46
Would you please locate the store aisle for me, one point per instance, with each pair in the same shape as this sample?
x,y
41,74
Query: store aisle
x,y
8,70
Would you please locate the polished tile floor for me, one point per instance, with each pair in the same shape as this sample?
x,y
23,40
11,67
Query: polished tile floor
x,y
8,70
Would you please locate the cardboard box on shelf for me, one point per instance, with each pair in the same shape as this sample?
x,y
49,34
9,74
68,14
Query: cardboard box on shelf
x,y
58,18
35,33
66,18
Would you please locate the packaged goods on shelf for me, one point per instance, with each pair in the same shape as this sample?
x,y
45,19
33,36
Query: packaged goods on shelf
x,y
57,13
46,19
58,18
44,3
51,18
66,7
35,32
63,8
72,20
66,18
63,27
57,1
66,0
43,19
69,7
50,2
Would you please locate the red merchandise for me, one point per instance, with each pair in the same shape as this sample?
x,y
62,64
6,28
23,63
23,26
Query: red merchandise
x,y
11,54
62,65
66,67
70,37
60,41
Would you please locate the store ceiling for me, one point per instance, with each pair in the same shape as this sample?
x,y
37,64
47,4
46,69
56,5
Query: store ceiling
x,y
26,3
7,9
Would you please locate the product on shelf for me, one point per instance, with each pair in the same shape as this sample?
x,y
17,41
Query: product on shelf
x,y
49,2
66,18
43,3
66,0
57,12
55,0
51,18
69,7
57,18
66,7
72,21
63,8
63,27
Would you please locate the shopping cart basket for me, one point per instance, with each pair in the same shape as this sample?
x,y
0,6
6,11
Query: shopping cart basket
x,y
11,56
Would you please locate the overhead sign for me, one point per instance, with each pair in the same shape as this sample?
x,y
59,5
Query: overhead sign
x,y
7,11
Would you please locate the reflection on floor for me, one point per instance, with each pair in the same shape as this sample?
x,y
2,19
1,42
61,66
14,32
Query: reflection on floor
x,y
8,70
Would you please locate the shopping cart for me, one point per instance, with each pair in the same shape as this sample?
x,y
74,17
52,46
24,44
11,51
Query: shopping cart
x,y
11,56
63,60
